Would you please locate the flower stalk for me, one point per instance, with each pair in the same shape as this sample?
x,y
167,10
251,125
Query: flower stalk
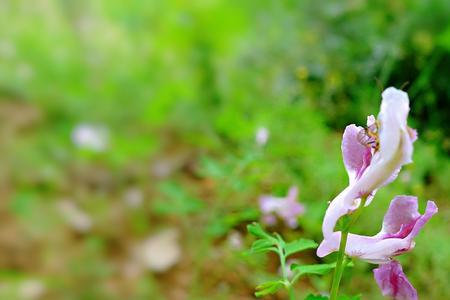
x,y
284,271
339,266
340,263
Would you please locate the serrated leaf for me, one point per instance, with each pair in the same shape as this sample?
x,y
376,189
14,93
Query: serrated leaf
x,y
256,230
312,269
316,297
269,287
299,245
263,245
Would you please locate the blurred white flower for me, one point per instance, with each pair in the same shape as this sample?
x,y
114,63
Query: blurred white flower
x,y
235,240
133,197
262,136
78,219
31,289
90,137
159,252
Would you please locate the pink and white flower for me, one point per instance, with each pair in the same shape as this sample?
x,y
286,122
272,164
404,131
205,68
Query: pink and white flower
x,y
401,224
373,156
286,208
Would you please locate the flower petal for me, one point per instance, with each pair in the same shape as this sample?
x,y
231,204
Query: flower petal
x,y
287,208
395,144
394,239
403,210
393,282
337,208
269,204
353,152
430,210
372,249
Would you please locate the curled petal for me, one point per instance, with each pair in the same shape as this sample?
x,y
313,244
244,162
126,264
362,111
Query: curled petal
x,y
396,237
395,143
393,282
402,211
337,208
353,152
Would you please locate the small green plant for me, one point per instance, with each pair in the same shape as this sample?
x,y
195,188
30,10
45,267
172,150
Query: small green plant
x,y
266,242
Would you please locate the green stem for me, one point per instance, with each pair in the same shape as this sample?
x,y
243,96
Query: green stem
x,y
341,254
285,274
339,266
291,293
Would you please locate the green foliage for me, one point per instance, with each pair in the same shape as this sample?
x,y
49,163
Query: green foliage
x,y
315,297
299,245
269,287
266,242
312,269
274,242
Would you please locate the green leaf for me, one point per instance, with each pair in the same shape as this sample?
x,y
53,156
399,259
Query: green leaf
x,y
344,297
321,269
312,269
256,230
270,287
263,245
316,297
299,245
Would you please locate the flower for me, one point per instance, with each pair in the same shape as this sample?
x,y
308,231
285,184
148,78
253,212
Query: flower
x,y
373,155
90,137
235,240
393,282
262,136
287,208
401,224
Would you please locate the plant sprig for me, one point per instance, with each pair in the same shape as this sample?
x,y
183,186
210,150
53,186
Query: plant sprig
x,y
273,242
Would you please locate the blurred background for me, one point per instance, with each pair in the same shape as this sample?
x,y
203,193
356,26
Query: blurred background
x,y
138,136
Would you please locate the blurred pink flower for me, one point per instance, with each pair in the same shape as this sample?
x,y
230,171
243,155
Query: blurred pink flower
x,y
401,224
286,208
373,155
393,282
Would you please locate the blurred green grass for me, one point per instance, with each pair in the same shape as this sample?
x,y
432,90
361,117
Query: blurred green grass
x,y
182,87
